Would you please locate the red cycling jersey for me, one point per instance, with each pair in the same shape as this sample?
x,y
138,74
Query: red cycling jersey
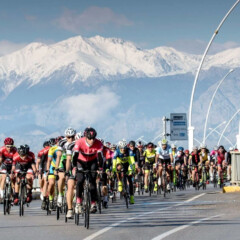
x,y
107,153
7,157
220,157
44,152
87,153
29,159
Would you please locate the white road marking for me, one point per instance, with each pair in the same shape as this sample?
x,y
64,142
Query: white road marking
x,y
98,233
166,234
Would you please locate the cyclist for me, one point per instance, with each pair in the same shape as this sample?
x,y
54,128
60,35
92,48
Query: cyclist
x,y
140,163
60,167
204,158
213,160
221,163
124,161
150,157
41,167
24,160
229,162
163,156
6,160
88,156
195,161
107,165
51,164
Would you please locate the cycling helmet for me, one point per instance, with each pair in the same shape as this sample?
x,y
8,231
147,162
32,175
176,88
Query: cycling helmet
x,y
231,148
78,135
203,146
173,146
22,150
70,132
59,138
150,145
139,143
195,148
46,143
164,142
122,144
132,143
215,148
91,133
180,149
107,144
52,141
113,145
186,151
27,148
8,141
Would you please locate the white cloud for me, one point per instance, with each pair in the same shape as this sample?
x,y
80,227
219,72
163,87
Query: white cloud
x,y
199,46
93,18
89,108
7,47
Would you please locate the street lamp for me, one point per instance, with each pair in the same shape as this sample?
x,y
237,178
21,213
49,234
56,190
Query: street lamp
x,y
210,104
190,127
227,125
220,135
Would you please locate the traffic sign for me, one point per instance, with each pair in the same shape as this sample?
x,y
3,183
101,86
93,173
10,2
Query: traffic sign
x,y
178,126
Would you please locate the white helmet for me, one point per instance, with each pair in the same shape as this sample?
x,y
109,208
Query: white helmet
x,y
231,148
195,148
173,146
69,132
78,135
122,144
203,145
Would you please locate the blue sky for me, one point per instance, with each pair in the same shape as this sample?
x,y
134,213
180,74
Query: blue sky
x,y
186,24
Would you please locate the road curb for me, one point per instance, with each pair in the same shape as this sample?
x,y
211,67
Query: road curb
x,y
231,189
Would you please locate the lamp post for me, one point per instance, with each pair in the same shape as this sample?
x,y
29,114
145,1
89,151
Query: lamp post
x,y
228,125
220,135
210,104
190,127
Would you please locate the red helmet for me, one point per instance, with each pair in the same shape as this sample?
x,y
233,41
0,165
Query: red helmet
x,y
8,141
186,151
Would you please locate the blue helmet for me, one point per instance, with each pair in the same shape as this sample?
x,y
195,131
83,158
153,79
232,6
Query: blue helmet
x,y
180,149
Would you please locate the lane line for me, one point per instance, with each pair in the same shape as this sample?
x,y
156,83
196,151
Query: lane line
x,y
166,234
100,232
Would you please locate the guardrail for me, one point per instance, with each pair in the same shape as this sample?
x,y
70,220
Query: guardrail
x,y
235,168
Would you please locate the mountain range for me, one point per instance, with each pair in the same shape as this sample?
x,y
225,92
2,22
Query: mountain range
x,y
122,90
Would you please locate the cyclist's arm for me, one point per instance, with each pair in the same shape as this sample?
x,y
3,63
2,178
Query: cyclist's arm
x,y
201,159
171,157
190,160
1,160
185,160
68,163
34,167
38,163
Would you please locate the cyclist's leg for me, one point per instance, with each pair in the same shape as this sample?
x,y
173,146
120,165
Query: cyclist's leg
x,y
93,166
146,175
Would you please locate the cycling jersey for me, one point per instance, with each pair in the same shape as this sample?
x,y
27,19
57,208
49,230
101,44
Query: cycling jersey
x,y
164,153
205,156
87,153
220,157
149,156
53,154
43,155
24,164
124,159
7,157
195,158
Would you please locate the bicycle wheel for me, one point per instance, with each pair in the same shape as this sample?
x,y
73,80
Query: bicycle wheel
x,y
87,210
58,212
99,198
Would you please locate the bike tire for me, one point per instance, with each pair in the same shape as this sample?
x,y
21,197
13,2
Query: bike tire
x,y
99,199
58,212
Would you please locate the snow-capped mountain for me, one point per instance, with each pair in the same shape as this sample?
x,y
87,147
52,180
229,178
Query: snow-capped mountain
x,y
110,84
100,58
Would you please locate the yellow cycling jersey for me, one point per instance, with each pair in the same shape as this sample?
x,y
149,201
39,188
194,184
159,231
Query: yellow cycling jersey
x,y
204,156
149,156
53,154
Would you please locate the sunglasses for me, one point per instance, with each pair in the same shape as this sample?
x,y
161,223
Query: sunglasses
x,y
72,137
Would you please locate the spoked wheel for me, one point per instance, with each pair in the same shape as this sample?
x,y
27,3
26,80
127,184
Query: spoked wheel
x,y
65,211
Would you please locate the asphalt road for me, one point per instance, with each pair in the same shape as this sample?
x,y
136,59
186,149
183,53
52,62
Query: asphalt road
x,y
186,214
